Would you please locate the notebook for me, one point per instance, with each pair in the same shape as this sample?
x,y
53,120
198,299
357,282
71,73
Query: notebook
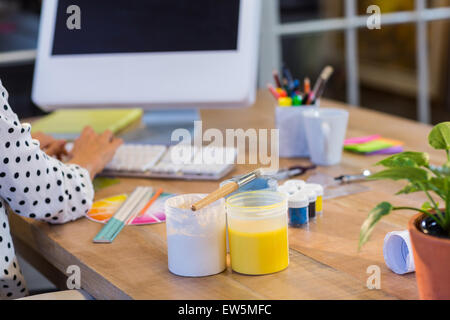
x,y
68,124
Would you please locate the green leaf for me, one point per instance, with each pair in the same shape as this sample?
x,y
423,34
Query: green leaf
x,y
381,210
410,188
424,186
407,173
406,159
441,183
446,168
439,137
427,206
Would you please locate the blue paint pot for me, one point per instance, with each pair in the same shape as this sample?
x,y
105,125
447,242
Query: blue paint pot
x,y
298,209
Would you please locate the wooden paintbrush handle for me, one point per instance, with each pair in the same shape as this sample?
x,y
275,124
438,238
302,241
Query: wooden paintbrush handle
x,y
216,195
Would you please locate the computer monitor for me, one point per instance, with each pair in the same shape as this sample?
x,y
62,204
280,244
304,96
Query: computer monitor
x,y
153,54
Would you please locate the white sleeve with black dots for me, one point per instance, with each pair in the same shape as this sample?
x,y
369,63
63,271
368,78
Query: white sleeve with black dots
x,y
12,282
33,184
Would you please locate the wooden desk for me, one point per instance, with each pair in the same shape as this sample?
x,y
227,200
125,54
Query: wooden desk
x,y
324,263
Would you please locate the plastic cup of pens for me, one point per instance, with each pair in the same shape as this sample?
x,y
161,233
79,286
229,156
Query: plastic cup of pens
x,y
294,99
289,121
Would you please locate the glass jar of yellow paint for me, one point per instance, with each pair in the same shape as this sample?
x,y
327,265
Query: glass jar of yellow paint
x,y
258,232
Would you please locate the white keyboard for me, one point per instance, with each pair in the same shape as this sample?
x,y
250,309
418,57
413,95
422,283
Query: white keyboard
x,y
158,161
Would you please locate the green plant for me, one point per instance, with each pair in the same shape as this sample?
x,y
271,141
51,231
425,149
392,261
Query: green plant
x,y
415,168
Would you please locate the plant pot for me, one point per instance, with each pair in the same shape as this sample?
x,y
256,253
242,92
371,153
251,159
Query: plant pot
x,y
432,261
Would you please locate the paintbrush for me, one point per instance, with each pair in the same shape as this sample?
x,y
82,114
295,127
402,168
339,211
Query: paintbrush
x,y
319,86
227,189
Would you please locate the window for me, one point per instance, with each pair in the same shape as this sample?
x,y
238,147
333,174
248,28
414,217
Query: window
x,y
405,63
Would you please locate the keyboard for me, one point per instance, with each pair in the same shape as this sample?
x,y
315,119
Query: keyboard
x,y
175,162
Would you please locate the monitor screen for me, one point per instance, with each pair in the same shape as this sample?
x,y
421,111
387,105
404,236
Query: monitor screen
x,y
136,26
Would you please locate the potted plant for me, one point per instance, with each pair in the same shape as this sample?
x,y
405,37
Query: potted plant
x,y
430,228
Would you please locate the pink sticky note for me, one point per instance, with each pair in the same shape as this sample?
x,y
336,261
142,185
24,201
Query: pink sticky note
x,y
359,140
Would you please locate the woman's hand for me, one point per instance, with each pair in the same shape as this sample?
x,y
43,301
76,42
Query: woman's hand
x,y
51,146
94,151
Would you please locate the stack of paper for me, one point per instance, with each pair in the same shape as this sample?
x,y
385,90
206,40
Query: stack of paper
x,y
372,145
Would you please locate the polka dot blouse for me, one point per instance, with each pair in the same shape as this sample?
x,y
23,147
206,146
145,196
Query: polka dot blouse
x,y
33,185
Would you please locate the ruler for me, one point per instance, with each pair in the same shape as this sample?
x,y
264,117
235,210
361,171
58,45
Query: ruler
x,y
126,212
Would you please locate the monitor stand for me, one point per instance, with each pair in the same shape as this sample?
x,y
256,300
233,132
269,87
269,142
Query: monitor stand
x,y
158,125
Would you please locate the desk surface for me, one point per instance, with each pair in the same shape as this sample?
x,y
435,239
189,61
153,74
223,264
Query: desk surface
x,y
324,262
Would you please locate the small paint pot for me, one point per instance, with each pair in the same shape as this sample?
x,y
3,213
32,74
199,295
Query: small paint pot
x,y
296,184
312,198
291,186
298,209
318,189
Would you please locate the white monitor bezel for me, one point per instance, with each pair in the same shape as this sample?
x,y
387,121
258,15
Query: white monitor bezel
x,y
208,79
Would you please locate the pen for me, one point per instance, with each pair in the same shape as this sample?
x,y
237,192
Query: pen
x,y
286,87
149,204
296,85
288,76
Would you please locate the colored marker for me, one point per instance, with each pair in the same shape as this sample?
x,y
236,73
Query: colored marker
x,y
296,100
307,84
296,85
276,77
310,98
285,102
272,90
281,92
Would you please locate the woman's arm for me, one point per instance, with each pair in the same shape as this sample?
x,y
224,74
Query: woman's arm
x,y
34,184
